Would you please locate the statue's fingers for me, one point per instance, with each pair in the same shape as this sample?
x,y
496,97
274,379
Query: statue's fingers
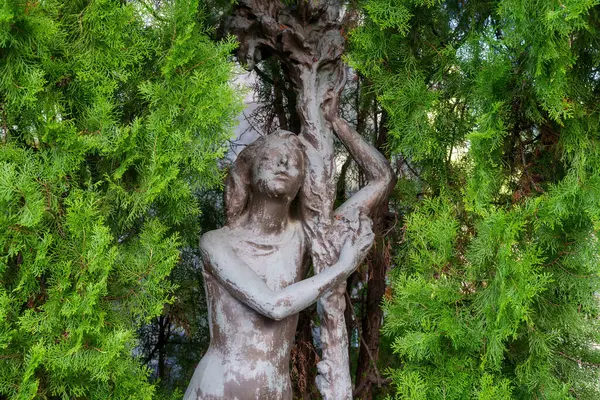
x,y
366,225
354,221
365,242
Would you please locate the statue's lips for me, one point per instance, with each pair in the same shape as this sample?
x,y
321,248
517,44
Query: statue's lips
x,y
281,175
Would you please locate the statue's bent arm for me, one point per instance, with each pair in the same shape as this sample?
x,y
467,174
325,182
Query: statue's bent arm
x,y
374,165
246,286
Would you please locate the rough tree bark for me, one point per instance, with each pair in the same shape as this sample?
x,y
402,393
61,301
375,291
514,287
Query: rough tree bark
x,y
378,266
305,357
307,39
372,315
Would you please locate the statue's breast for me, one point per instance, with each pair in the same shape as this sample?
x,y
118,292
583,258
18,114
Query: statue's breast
x,y
277,260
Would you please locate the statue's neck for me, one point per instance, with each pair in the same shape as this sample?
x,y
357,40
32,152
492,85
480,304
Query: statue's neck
x,y
267,216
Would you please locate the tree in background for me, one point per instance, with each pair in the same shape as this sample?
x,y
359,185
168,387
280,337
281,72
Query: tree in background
x,y
112,118
494,106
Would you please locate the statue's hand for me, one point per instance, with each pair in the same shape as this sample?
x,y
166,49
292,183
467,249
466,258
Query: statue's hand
x,y
359,240
330,106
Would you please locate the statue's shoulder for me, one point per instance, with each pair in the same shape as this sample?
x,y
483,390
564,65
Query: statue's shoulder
x,y
213,241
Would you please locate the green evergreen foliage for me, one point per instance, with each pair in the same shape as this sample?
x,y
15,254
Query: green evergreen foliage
x,y
173,343
112,117
495,106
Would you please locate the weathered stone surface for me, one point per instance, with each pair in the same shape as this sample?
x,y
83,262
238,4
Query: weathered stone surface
x,y
279,200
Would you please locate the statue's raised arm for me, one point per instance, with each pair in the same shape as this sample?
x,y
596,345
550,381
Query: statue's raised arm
x,y
373,164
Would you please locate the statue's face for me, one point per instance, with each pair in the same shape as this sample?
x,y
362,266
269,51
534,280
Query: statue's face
x,y
278,170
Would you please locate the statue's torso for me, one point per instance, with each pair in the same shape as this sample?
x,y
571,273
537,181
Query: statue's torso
x,y
248,357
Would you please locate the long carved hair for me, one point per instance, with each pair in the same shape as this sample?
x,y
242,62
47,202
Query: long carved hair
x,y
308,201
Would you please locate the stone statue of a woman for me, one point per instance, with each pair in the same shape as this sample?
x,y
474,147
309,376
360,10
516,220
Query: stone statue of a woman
x,y
254,267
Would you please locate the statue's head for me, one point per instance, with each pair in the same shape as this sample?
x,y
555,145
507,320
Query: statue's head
x,y
277,166
273,166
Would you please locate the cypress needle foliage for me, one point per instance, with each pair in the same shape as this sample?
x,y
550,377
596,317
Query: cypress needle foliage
x,y
112,116
495,106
